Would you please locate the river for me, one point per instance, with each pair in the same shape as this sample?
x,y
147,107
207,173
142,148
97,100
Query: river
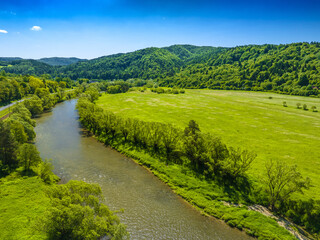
x,y
150,209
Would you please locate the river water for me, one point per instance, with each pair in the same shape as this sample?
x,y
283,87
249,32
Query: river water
x,y
150,209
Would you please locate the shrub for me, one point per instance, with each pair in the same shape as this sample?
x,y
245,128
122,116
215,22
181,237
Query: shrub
x,y
284,104
314,109
175,91
305,107
298,105
160,90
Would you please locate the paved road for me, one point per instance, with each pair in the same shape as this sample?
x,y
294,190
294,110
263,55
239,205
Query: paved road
x,y
11,104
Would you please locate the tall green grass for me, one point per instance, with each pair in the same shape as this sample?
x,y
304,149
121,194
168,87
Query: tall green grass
x,y
22,203
251,120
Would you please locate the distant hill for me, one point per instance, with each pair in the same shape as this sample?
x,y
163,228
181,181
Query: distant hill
x,y
286,68
146,63
60,61
155,63
9,59
23,66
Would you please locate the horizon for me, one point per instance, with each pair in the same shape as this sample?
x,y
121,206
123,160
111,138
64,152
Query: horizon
x,y
38,28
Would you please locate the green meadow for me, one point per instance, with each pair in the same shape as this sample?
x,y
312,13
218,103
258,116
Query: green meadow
x,y
22,203
255,121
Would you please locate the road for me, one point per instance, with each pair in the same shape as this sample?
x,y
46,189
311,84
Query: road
x,y
11,104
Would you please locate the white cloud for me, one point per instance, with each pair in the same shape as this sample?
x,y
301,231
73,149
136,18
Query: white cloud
x,y
36,28
3,31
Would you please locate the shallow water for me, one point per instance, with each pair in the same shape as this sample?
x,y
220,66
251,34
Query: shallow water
x,y
151,209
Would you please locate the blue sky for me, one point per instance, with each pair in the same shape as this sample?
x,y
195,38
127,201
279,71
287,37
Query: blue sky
x,y
93,28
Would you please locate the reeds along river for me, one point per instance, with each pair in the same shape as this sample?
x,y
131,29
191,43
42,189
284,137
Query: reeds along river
x,y
151,209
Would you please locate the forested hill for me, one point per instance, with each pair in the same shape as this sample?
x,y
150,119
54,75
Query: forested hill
x,y
9,59
146,63
35,67
60,61
26,66
290,68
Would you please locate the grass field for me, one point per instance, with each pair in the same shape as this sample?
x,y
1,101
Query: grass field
x,y
22,203
251,120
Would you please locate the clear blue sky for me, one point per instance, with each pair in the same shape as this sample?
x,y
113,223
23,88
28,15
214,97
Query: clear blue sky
x,y
93,28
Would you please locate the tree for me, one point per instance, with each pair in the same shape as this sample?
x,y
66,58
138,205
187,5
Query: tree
x,y
34,105
8,145
282,181
194,146
77,213
28,155
169,138
92,93
298,105
192,128
305,107
17,130
23,113
45,172
238,162
48,100
35,83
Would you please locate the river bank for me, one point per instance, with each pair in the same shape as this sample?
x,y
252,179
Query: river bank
x,y
206,194
150,209
198,193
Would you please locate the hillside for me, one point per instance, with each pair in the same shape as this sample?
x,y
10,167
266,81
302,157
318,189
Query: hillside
x,y
60,61
154,63
145,63
23,66
9,59
290,68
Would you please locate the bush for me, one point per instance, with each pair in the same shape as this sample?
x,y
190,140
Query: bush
x,y
160,90
284,104
175,91
298,105
305,107
77,213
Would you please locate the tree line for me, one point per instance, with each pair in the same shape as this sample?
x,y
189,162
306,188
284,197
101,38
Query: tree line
x,y
208,157
14,87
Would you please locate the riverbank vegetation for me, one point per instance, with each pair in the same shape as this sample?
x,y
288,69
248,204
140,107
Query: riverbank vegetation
x,y
250,120
32,205
202,169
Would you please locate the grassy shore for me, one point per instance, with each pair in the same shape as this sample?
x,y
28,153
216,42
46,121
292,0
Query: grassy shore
x,y
207,196
250,120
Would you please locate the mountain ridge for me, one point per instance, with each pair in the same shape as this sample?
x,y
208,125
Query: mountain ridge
x,y
286,68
